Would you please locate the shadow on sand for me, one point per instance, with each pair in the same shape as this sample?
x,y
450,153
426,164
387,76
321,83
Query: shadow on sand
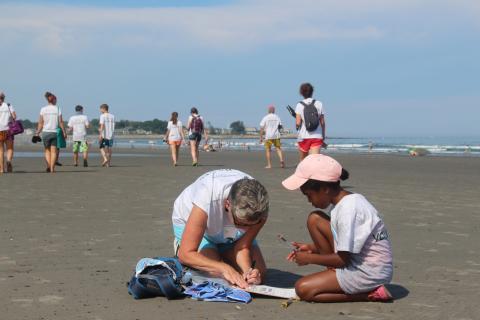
x,y
281,279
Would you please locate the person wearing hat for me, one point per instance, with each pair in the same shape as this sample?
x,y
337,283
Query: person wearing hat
x,y
353,242
270,127
7,114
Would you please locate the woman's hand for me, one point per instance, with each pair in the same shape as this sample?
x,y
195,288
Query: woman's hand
x,y
232,276
253,277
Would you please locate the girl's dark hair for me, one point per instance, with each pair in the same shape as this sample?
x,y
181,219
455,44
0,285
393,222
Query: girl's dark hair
x,y
306,90
194,110
174,117
316,185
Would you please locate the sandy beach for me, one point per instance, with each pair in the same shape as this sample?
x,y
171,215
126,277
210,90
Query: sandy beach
x,y
69,241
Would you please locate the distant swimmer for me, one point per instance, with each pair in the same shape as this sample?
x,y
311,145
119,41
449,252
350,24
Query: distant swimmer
x,y
270,127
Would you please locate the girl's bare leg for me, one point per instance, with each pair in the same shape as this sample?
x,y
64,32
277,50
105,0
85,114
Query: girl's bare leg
x,y
324,287
318,225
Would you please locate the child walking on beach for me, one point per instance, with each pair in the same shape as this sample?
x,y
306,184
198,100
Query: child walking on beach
x,y
174,136
79,125
106,130
352,243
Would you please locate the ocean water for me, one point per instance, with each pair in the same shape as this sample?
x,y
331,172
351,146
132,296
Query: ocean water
x,y
436,146
459,146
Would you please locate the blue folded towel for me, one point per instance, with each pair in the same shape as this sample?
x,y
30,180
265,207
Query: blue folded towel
x,y
211,291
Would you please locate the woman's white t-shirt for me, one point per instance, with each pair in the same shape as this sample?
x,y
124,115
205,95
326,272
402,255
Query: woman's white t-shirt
x,y
50,114
358,229
303,133
209,193
174,131
5,116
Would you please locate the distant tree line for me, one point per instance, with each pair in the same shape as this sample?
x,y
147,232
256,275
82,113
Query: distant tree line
x,y
154,126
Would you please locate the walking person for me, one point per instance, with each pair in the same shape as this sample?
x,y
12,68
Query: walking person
x,y
270,127
196,128
106,130
50,119
310,120
79,125
174,136
7,115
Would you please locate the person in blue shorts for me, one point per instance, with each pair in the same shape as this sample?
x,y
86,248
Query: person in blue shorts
x,y
215,222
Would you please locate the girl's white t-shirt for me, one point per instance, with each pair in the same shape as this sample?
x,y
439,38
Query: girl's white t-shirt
x,y
174,131
50,114
303,133
5,116
358,229
209,193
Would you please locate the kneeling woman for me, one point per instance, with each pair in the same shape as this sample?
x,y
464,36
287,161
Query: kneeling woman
x,y
215,222
353,243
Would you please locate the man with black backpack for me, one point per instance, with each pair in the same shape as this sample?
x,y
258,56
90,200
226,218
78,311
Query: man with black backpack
x,y
196,128
310,122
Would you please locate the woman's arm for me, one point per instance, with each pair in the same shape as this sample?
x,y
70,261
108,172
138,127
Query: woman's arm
x,y
298,121
62,126
243,246
189,255
40,125
324,128
14,115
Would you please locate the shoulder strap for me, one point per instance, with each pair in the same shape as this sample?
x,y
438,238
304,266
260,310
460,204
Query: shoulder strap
x,y
165,283
10,110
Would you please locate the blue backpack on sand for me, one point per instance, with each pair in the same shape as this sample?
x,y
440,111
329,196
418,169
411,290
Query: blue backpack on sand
x,y
157,277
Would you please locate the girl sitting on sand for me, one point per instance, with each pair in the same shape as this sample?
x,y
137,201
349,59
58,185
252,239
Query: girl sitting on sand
x,y
352,243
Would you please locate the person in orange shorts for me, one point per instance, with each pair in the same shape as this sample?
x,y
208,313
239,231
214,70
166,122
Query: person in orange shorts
x,y
174,136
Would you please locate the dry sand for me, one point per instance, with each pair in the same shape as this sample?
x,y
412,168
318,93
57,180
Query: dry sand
x,y
69,241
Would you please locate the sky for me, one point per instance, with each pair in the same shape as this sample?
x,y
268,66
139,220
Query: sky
x,y
380,68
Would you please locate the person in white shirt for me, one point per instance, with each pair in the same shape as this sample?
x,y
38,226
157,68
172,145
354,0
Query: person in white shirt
x,y
79,125
309,141
196,127
270,127
174,136
7,114
106,130
215,222
50,119
353,242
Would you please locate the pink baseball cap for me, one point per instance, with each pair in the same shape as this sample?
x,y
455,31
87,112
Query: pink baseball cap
x,y
316,167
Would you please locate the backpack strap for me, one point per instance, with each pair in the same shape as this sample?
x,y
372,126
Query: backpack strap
x,y
165,283
304,104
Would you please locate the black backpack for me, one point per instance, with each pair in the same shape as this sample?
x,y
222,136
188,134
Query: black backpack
x,y
310,116
158,280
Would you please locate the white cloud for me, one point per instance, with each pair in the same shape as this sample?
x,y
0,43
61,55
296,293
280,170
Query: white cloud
x,y
241,26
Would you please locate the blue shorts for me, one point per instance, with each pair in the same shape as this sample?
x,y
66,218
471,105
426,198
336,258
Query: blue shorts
x,y
106,143
205,243
195,136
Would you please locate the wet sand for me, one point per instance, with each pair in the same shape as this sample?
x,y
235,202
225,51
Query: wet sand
x,y
69,241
